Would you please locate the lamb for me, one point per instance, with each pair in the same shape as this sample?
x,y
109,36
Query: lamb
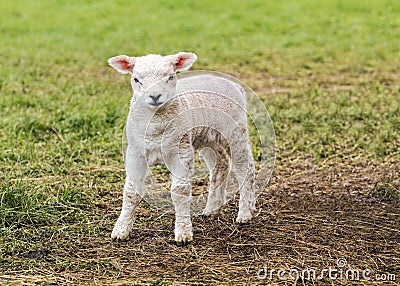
x,y
169,119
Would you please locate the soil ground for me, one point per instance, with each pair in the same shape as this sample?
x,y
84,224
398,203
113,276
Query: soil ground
x,y
310,217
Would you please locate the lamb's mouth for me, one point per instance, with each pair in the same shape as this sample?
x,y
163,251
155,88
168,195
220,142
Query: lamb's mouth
x,y
156,103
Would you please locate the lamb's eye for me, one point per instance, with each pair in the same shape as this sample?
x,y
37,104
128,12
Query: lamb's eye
x,y
136,80
170,78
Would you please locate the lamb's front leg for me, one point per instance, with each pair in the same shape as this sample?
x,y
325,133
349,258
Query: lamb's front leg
x,y
181,194
136,170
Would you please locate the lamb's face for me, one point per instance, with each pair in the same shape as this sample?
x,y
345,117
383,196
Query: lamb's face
x,y
153,77
153,80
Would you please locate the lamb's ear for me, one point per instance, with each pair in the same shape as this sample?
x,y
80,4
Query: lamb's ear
x,y
123,64
182,61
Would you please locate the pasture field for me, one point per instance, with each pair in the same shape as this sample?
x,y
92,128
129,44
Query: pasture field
x,y
329,75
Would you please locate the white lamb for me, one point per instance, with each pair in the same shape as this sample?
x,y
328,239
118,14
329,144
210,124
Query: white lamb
x,y
169,119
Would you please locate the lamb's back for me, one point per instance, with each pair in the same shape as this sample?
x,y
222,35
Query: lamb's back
x,y
216,85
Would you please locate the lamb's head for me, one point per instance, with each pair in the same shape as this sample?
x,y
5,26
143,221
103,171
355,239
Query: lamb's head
x,y
153,77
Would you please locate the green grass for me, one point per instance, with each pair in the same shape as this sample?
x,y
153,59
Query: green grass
x,y
328,72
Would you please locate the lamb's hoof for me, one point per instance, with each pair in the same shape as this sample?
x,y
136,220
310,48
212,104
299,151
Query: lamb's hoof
x,y
119,237
244,217
210,211
120,232
205,216
182,243
183,236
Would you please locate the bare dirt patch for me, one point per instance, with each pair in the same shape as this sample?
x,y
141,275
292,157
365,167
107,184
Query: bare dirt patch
x,y
308,218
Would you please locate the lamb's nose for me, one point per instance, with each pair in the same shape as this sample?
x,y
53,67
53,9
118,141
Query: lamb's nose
x,y
155,98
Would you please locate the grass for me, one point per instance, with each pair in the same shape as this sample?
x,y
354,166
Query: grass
x,y
327,71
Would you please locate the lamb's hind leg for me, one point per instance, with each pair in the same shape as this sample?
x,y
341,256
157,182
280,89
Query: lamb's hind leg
x,y
243,163
218,165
